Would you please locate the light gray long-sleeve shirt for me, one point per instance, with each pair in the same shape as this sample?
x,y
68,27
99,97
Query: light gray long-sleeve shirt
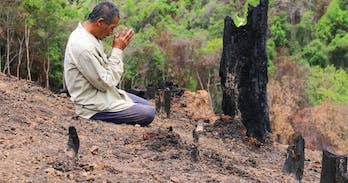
x,y
91,77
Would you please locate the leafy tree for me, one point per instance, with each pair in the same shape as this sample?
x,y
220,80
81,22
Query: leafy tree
x,y
278,32
303,31
315,55
333,20
338,51
144,66
327,84
49,21
333,28
271,53
175,40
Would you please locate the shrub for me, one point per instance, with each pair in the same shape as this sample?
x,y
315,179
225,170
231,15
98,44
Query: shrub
x,y
303,30
271,53
327,84
278,32
338,51
334,19
315,54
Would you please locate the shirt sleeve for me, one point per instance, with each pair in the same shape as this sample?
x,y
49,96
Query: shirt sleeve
x,y
101,72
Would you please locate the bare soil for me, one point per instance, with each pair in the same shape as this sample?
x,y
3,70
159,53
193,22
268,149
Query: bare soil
x,y
34,133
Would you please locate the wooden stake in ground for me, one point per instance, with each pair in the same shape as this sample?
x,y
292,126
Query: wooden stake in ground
x,y
243,71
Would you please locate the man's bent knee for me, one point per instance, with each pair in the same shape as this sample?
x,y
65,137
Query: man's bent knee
x,y
149,116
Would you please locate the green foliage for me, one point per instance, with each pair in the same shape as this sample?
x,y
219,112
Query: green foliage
x,y
248,3
152,14
175,40
271,53
253,2
144,66
327,84
331,29
315,55
294,47
215,29
212,47
279,32
338,51
240,16
192,84
334,19
49,16
303,30
48,21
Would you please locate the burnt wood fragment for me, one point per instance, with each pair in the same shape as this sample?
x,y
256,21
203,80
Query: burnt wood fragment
x,y
138,92
167,100
63,90
195,136
151,92
73,142
195,153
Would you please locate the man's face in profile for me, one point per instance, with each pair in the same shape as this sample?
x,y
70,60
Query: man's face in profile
x,y
106,30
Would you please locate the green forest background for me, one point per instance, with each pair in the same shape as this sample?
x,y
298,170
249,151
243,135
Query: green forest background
x,y
181,41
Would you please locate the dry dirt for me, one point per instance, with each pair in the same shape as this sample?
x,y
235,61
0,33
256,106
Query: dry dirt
x,y
34,133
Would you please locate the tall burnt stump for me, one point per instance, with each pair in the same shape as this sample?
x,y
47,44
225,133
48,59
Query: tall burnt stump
x,y
295,157
243,71
334,167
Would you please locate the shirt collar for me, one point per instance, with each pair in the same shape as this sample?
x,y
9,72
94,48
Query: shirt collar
x,y
89,35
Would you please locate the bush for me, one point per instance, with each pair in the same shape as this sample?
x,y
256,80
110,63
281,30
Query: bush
x,y
327,84
338,51
303,30
334,19
144,66
278,32
271,53
315,55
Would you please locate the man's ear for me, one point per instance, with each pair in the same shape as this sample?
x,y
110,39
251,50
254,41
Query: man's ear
x,y
100,21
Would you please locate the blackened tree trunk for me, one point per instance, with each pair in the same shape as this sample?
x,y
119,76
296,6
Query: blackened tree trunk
x,y
334,168
243,71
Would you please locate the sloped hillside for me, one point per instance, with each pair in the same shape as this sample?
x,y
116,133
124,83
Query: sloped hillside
x,y
33,137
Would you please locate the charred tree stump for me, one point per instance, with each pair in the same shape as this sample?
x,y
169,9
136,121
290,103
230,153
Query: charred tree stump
x,y
158,100
243,71
167,100
151,92
163,96
334,168
295,158
195,153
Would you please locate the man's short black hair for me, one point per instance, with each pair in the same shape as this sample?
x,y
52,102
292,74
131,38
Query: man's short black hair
x,y
106,10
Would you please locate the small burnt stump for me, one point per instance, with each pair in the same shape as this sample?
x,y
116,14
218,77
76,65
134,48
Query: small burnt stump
x,y
167,100
295,158
164,94
195,153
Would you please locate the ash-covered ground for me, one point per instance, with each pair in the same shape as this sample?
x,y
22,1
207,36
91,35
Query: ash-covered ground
x,y
34,133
